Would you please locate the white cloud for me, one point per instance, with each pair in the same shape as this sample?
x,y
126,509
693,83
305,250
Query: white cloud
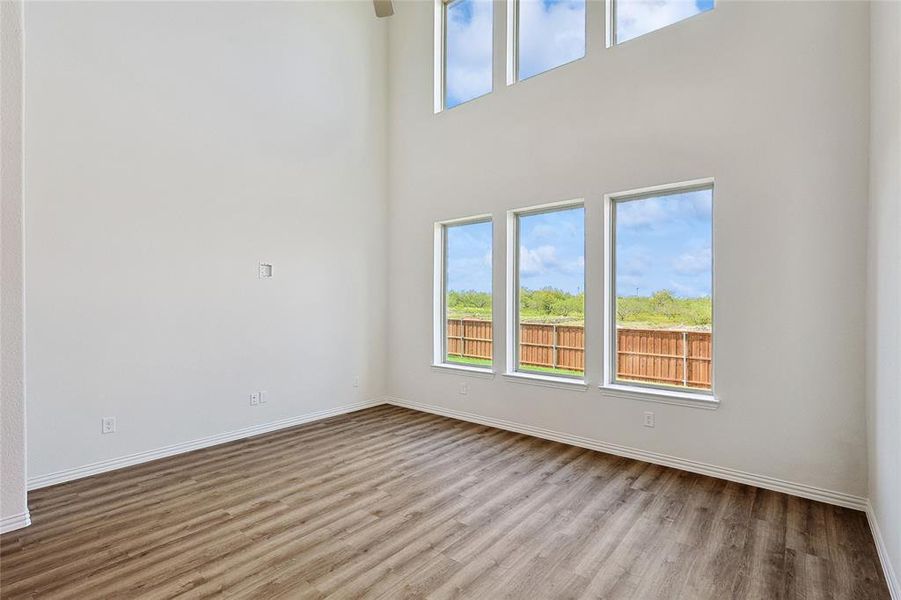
x,y
642,213
693,261
550,34
544,259
687,291
637,17
575,266
660,211
469,44
537,261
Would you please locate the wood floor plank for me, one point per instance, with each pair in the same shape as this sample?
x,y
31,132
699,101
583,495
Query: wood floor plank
x,y
389,503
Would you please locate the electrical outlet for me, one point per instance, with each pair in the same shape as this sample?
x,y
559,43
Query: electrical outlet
x,y
264,397
108,425
464,388
648,419
254,398
357,381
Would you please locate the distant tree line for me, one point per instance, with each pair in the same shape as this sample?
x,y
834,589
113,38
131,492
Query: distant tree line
x,y
660,309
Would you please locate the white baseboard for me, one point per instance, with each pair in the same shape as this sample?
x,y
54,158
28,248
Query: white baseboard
x,y
771,483
213,440
19,521
891,578
13,522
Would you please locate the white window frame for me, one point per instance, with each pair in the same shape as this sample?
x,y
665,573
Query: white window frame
x,y
639,390
440,56
610,15
512,297
513,43
439,332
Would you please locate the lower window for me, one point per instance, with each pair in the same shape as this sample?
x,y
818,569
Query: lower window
x,y
549,288
464,314
661,289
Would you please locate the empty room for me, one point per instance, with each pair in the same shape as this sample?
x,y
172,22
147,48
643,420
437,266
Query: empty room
x,y
432,299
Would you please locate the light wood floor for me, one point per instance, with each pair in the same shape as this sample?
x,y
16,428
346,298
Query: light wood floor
x,y
391,503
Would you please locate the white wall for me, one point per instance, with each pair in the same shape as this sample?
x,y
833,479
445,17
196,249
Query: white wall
x,y
13,509
170,147
769,98
884,283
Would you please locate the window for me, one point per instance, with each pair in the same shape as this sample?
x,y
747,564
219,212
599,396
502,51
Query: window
x,y
632,18
463,51
548,291
548,33
463,324
660,288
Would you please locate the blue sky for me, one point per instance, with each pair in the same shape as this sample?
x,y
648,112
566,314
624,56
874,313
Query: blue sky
x,y
468,260
637,17
665,242
552,33
468,65
552,250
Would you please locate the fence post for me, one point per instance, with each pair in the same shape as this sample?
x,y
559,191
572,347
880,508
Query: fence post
x,y
462,338
685,359
554,360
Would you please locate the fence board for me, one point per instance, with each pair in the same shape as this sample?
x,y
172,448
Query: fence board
x,y
681,358
470,338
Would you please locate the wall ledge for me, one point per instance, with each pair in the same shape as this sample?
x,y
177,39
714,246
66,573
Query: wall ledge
x,y
801,490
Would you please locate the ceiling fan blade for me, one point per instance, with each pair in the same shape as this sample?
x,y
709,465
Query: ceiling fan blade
x,y
383,8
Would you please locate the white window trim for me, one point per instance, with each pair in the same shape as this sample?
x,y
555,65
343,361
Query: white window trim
x,y
660,396
454,369
439,308
512,296
610,22
512,40
650,392
439,55
610,18
528,378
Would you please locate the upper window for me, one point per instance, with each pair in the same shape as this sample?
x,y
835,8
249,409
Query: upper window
x,y
632,18
467,52
549,33
463,317
661,334
549,288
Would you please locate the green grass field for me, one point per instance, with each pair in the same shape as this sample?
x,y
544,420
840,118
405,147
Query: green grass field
x,y
481,362
465,360
660,310
550,371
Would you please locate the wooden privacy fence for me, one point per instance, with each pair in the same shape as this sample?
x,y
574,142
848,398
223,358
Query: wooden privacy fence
x,y
681,358
470,338
553,346
668,357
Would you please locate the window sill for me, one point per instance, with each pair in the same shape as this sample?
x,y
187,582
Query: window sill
x,y
547,380
692,400
463,370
